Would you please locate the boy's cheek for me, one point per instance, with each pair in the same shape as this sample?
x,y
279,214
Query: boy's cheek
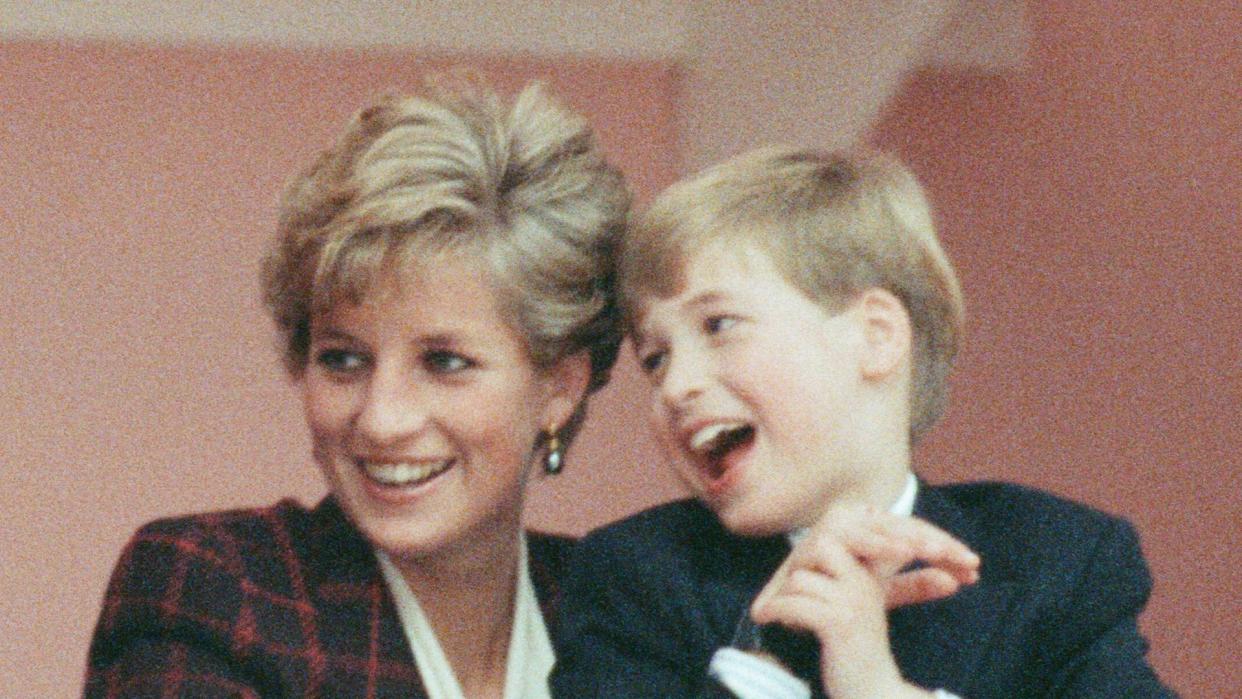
x,y
674,457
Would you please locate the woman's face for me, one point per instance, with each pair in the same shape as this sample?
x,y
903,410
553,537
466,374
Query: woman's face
x,y
424,409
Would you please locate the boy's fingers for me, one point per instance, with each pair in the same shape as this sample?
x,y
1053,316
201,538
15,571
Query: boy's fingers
x,y
811,559
826,554
872,545
770,588
931,545
792,611
922,534
919,586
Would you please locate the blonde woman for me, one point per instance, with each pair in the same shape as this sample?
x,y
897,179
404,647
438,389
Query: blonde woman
x,y
440,280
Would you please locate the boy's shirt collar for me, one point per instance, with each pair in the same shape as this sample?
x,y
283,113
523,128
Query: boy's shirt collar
x,y
903,507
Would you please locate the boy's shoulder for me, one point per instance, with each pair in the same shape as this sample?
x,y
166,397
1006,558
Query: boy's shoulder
x,y
665,526
1022,532
992,505
682,539
996,502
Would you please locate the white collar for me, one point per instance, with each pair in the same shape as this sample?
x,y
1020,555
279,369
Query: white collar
x,y
530,649
903,507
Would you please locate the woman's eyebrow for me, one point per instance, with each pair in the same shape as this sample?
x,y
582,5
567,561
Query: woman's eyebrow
x,y
331,332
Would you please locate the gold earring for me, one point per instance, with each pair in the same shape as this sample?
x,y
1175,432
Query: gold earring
x,y
554,456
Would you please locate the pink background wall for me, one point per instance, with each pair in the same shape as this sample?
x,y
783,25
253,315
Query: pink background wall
x,y
1092,203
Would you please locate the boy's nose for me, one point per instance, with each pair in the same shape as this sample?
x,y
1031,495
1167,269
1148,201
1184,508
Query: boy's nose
x,y
391,411
684,379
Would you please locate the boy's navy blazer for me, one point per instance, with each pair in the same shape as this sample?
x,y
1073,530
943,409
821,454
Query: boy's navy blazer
x,y
647,602
273,602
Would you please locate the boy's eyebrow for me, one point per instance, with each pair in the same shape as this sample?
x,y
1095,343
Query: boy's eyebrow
x,y
706,298
703,298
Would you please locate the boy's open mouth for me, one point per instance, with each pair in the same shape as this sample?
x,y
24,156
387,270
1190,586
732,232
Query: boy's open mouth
x,y
716,442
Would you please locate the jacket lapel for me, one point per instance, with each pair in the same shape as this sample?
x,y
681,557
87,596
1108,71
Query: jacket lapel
x,y
735,569
350,594
939,644
548,556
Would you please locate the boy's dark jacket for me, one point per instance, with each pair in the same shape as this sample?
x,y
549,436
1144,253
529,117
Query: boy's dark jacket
x,y
647,601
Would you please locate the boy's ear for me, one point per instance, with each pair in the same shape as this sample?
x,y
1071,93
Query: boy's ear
x,y
568,380
887,335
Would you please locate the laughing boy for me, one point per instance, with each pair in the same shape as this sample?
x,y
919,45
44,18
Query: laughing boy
x,y
797,318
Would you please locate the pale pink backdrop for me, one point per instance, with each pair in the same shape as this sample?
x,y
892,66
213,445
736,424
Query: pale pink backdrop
x,y
1092,203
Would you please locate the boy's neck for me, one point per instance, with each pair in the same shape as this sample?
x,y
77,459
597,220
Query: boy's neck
x,y
889,468
884,492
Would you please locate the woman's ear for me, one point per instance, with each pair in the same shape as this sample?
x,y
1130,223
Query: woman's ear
x,y
567,384
887,334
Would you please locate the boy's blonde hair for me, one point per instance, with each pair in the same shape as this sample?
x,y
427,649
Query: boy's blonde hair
x,y
833,224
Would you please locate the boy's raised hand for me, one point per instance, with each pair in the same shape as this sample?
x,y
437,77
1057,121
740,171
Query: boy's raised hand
x,y
887,544
839,581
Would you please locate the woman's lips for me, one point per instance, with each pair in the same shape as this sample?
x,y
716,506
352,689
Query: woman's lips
x,y
399,482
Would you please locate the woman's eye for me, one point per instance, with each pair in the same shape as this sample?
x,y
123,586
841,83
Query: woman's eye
x,y
340,361
717,324
442,362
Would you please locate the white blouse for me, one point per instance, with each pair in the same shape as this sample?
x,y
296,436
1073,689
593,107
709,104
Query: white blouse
x,y
530,650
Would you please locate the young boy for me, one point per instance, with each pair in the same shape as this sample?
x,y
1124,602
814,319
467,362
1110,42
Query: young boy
x,y
797,318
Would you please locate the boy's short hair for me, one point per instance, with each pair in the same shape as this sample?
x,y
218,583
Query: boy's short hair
x,y
833,223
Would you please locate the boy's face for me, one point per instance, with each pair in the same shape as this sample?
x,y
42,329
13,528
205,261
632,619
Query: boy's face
x,y
757,393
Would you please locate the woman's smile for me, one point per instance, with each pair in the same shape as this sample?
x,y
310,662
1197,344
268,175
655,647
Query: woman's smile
x,y
425,409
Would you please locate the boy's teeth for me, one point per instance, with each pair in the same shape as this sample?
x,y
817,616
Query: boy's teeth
x,y
706,438
404,473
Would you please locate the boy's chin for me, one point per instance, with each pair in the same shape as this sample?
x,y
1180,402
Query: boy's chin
x,y
751,519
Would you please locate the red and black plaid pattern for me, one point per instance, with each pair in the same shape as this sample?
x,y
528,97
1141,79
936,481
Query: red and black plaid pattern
x,y
274,602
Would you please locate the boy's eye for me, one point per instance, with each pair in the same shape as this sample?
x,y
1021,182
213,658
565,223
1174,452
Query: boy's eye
x,y
717,324
445,362
340,361
651,362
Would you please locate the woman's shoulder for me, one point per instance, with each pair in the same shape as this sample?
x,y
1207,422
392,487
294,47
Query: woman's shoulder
x,y
256,548
230,533
238,521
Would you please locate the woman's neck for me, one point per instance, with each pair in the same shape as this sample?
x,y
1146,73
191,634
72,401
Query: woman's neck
x,y
468,598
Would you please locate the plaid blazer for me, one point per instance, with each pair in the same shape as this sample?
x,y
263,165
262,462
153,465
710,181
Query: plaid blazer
x,y
274,602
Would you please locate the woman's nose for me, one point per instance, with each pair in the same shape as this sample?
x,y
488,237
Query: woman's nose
x,y
392,409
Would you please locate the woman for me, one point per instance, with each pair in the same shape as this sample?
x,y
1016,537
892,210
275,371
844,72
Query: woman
x,y
440,280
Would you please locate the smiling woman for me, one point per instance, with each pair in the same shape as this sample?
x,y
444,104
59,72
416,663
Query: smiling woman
x,y
440,278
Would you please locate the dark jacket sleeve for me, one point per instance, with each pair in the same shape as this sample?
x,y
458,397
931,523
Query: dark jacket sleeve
x,y
172,621
624,629
1092,641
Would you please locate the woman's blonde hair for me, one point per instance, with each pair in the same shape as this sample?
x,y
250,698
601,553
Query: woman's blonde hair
x,y
520,186
834,224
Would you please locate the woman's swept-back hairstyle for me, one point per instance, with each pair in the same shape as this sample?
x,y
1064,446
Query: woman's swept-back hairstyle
x,y
520,186
834,224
